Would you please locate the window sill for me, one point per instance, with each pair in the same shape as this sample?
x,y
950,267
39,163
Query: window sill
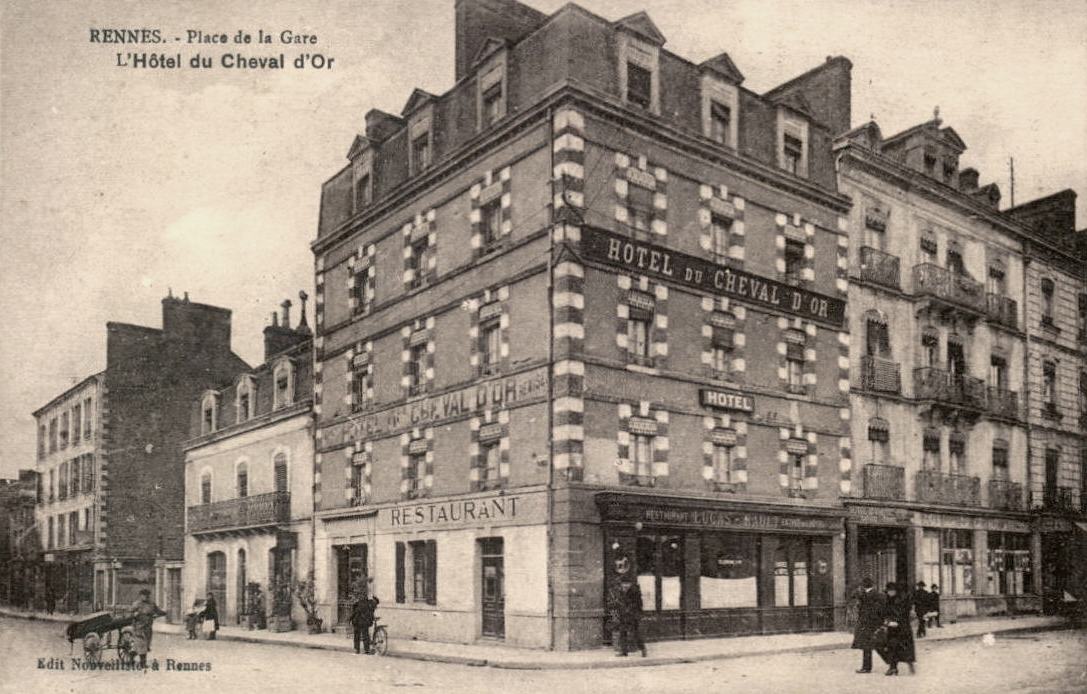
x,y
1046,323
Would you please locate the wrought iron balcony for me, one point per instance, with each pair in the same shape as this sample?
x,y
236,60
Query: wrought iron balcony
x,y
879,267
884,482
949,287
935,487
1005,495
949,388
880,375
1003,403
246,513
1002,310
1058,499
82,537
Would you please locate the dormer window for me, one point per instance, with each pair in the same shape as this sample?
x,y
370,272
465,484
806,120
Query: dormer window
x,y
793,151
491,85
420,152
245,400
639,71
639,86
362,172
209,412
720,123
493,104
793,143
420,140
930,162
362,191
283,377
949,169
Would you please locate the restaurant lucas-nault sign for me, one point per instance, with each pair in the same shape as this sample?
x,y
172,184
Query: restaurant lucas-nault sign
x,y
663,263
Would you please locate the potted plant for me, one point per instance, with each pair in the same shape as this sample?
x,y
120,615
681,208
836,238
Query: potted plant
x,y
254,603
307,598
281,605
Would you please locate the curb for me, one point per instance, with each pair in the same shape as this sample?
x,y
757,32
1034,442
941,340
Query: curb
x,y
587,665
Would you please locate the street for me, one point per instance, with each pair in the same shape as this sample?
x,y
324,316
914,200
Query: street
x,y
1047,663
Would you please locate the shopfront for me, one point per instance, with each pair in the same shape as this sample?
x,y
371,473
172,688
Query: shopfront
x,y
722,568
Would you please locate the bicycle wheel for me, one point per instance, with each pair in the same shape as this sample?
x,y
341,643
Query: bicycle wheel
x,y
381,641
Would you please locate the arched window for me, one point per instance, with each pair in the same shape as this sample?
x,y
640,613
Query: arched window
x,y
877,335
279,462
283,379
245,400
242,474
205,488
209,412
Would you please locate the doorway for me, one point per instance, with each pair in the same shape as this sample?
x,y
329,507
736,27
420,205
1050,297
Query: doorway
x,y
492,587
240,587
881,555
351,572
216,580
173,595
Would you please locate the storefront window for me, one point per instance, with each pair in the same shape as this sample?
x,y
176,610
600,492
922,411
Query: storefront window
x,y
729,571
957,574
1009,564
791,573
930,557
660,571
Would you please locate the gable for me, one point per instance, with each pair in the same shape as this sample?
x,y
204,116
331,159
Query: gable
x,y
640,24
795,101
489,48
358,145
950,137
417,99
722,65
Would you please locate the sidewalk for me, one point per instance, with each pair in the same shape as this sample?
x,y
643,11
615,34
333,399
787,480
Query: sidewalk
x,y
664,653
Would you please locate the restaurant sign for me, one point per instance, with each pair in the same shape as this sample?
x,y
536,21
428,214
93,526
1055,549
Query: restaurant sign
x,y
666,264
726,400
494,394
715,518
501,509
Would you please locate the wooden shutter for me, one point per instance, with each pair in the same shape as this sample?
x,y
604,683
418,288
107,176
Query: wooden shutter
x,y
432,572
281,473
400,572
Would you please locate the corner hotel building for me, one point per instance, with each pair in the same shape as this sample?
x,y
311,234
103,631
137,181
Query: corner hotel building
x,y
580,315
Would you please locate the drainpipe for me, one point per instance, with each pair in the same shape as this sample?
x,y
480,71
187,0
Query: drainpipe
x,y
551,384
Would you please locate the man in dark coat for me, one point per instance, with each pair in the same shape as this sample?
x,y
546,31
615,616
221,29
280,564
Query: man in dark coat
x,y
934,605
896,617
211,611
870,609
362,615
921,602
630,618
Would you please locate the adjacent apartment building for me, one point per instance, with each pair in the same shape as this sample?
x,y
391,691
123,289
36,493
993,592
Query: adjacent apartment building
x,y
583,316
20,553
249,482
110,512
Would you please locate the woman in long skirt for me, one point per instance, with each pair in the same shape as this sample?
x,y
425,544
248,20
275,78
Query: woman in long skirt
x,y
896,617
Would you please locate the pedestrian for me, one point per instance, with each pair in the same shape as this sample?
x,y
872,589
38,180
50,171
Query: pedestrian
x,y
50,600
922,600
896,617
934,605
362,615
630,618
144,612
211,614
870,605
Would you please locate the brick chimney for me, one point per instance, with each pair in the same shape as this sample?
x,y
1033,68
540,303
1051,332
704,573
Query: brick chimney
x,y
190,322
1054,215
968,180
280,336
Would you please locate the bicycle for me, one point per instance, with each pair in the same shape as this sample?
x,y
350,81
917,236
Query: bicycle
x,y
379,641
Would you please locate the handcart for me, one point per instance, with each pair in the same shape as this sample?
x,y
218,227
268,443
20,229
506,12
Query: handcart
x,y
97,635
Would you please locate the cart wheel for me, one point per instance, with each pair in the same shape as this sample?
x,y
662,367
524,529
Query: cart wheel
x,y
92,648
126,647
381,641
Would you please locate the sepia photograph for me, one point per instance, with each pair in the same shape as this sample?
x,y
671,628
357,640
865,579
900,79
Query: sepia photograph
x,y
543,346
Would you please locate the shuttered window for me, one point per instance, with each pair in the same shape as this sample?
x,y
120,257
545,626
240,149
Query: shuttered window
x,y
280,463
400,593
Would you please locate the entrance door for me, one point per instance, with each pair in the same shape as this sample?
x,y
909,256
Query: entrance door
x,y
216,580
173,594
240,590
351,571
100,599
882,554
493,598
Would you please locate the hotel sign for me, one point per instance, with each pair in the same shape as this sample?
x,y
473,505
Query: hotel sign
x,y
688,270
494,394
726,400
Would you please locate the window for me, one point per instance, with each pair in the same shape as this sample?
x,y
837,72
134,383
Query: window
x,y
794,260
928,247
77,422
360,387
490,338
74,477
490,474
796,474
720,122
415,474
64,430
358,476
930,557
793,154
1052,475
1082,304
49,537
420,152
956,448
639,86
957,565
1009,563
1049,388
90,476
52,485
61,525
722,464
279,466
996,283
729,576
52,434
930,161
243,480
641,454
794,365
1000,462
362,191
719,357
640,309
417,368
205,488
791,560
284,385
424,571
490,223
719,236
207,422
660,561
73,526
879,434
998,373
493,104
41,441
418,258
1047,302
88,418
639,207
362,289
62,478
954,261
930,350
244,403
878,343
949,170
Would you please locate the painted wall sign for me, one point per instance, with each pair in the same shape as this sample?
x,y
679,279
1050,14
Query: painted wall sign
x,y
726,400
634,512
501,392
663,263
460,512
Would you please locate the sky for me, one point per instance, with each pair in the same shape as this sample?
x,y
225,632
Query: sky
x,y
118,185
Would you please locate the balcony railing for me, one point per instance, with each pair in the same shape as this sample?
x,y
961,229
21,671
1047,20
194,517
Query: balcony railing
x,y
83,537
248,512
1058,499
880,375
944,386
1002,310
1003,403
954,490
1005,495
932,280
879,267
884,482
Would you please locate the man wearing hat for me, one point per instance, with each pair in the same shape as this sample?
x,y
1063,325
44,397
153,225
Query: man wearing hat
x,y
870,607
144,612
362,614
921,601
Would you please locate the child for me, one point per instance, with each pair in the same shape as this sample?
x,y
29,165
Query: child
x,y
194,618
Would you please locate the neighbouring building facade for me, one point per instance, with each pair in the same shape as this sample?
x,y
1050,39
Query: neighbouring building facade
x,y
583,316
110,511
937,286
20,552
249,482
1056,324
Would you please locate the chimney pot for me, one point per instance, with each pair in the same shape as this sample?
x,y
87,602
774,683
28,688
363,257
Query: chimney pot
x,y
286,313
275,319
